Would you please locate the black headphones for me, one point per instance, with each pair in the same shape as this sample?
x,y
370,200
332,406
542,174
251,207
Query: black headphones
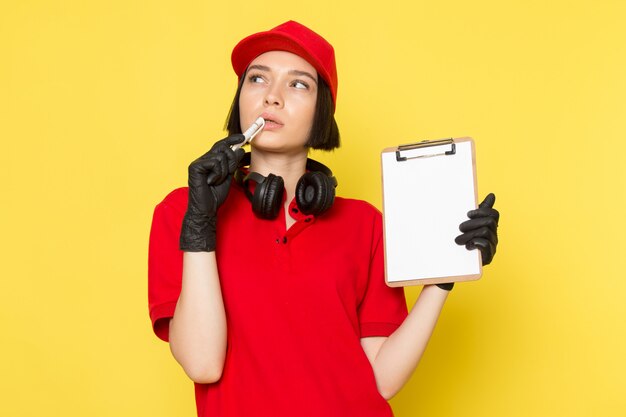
x,y
315,191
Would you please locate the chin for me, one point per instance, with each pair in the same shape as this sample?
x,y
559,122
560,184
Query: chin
x,y
278,149
271,142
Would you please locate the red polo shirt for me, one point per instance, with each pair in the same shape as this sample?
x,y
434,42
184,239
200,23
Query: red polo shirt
x,y
297,303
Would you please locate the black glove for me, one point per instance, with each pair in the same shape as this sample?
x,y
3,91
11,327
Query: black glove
x,y
481,231
209,182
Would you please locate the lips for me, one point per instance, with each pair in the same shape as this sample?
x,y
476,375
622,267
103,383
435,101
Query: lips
x,y
271,120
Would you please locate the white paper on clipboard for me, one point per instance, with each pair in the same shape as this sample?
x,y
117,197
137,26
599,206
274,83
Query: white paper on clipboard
x,y
428,188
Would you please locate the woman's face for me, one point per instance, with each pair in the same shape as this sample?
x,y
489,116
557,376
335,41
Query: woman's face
x,y
281,87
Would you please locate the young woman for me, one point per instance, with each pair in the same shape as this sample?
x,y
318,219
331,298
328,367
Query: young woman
x,y
270,290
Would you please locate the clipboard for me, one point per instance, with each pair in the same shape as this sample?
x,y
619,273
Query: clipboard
x,y
428,188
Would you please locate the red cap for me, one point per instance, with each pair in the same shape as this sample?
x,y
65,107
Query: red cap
x,y
291,37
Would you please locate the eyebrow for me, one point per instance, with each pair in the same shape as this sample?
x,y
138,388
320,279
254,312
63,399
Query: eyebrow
x,y
291,72
304,74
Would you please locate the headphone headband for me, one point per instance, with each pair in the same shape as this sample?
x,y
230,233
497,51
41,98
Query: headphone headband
x,y
311,165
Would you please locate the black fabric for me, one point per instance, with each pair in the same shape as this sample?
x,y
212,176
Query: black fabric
x,y
481,231
315,190
209,182
447,286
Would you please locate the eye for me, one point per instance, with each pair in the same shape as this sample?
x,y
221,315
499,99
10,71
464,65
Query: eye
x,y
300,84
255,78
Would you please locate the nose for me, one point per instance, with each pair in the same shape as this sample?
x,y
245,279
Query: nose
x,y
273,96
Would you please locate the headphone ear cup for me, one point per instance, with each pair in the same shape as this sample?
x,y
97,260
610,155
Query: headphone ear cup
x,y
315,193
268,196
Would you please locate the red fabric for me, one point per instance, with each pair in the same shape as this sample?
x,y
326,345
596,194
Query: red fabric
x,y
297,303
291,37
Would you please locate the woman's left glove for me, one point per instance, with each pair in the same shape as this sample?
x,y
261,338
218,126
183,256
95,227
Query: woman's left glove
x,y
209,183
481,231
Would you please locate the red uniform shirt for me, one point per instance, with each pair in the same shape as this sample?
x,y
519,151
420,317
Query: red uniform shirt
x,y
297,303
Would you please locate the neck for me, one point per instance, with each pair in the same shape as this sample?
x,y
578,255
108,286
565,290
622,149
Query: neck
x,y
289,166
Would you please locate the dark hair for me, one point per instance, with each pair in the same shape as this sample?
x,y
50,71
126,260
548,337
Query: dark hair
x,y
324,131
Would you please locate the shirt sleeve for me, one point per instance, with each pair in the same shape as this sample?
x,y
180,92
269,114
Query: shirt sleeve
x,y
383,309
165,262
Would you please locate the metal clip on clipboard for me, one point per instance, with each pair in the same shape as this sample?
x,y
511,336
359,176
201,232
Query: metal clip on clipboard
x,y
425,144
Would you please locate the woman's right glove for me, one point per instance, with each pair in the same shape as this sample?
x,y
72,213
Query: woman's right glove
x,y
209,182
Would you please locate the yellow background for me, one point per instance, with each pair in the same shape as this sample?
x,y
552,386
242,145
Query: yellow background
x,y
104,103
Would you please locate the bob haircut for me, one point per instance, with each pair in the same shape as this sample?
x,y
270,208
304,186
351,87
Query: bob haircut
x,y
324,133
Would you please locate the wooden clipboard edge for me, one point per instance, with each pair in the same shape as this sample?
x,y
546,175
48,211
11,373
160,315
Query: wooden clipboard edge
x,y
429,281
440,280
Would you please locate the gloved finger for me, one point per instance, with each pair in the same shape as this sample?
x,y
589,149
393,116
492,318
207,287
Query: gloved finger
x,y
220,192
233,158
484,212
488,234
232,140
224,146
477,223
488,201
487,249
478,243
224,160
485,208
199,169
483,232
236,158
217,167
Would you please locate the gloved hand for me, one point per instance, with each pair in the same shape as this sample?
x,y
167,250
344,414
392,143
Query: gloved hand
x,y
209,182
481,231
